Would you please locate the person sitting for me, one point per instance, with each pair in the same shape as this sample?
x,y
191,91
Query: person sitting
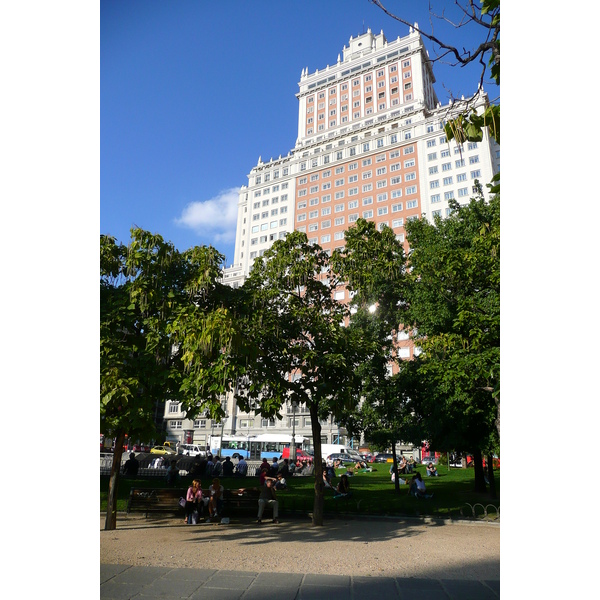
x,y
280,484
292,468
227,467
431,470
193,503
274,468
268,496
417,487
284,468
343,488
263,472
215,504
402,466
308,468
410,464
327,480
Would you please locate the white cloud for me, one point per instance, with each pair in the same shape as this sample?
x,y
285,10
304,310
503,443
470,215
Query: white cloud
x,y
215,218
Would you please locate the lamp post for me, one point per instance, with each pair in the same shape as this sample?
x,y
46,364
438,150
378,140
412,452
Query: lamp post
x,y
293,444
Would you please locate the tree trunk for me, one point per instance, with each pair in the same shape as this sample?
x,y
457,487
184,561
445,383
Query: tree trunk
x,y
491,478
396,482
319,485
479,475
111,509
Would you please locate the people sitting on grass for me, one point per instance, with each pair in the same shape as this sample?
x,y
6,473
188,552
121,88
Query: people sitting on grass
x,y
410,464
431,470
327,479
402,466
343,488
393,476
417,487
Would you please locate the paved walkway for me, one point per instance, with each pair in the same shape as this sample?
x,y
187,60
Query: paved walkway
x,y
121,582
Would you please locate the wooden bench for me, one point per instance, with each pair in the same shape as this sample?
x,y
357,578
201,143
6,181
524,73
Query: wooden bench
x,y
166,500
163,500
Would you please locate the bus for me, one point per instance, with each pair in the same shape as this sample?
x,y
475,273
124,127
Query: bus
x,y
257,447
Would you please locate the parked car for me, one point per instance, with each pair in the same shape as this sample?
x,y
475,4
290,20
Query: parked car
x,y
343,457
384,457
141,448
162,450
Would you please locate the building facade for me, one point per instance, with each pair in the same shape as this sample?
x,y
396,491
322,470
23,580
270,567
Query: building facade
x,y
370,144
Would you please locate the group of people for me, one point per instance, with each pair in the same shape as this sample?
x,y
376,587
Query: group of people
x,y
215,467
195,502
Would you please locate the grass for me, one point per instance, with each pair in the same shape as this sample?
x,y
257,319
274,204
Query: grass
x,y
372,494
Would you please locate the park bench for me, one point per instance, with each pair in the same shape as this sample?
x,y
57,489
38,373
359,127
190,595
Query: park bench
x,y
166,500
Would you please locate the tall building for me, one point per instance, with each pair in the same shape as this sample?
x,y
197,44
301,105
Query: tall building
x,y
370,144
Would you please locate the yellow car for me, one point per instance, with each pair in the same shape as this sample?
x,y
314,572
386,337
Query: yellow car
x,y
162,450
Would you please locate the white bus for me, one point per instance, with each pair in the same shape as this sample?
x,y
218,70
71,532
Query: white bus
x,y
257,447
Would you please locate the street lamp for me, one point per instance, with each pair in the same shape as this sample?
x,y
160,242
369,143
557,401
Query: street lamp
x,y
293,444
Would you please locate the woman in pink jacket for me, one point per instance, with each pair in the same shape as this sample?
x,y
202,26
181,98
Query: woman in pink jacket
x,y
193,501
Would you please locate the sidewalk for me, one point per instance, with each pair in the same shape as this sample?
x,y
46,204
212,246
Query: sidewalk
x,y
121,582
350,559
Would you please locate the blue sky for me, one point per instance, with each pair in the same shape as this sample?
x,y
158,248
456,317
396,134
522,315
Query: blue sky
x,y
192,93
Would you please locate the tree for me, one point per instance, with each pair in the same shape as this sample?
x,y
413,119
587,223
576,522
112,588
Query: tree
x,y
156,306
372,264
486,51
454,305
301,351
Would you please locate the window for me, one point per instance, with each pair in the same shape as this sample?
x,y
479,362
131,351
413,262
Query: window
x,y
448,195
326,211
447,167
412,204
367,200
411,190
448,180
352,204
397,223
475,174
434,198
382,210
473,159
462,192
410,176
368,214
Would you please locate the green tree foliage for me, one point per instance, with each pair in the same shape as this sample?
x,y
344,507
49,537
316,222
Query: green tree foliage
x,y
299,349
373,265
162,327
454,305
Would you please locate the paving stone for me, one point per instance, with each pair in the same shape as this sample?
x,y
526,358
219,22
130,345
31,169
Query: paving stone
x,y
468,590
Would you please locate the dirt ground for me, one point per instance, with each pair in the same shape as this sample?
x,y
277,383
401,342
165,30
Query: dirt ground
x,y
390,547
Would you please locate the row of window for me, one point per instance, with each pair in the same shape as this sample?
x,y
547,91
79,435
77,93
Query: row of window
x,y
367,214
268,190
285,171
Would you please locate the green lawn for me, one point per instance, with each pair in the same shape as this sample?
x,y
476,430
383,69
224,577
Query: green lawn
x,y
372,494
